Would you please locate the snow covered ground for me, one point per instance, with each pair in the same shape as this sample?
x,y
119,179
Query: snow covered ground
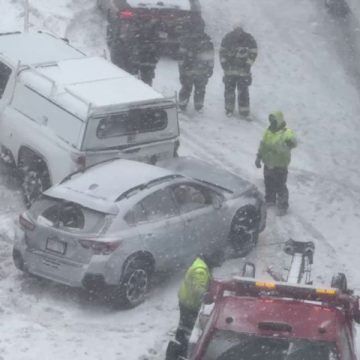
x,y
299,71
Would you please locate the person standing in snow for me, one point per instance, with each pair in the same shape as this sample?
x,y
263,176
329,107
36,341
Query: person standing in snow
x,y
238,53
275,152
196,64
147,50
122,47
191,294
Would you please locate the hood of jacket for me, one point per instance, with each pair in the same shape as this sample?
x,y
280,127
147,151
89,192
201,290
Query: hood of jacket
x,y
278,116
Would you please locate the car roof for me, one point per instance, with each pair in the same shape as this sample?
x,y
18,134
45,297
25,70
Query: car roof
x,y
101,185
33,48
305,318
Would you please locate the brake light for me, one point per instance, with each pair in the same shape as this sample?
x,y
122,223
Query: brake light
x,y
100,247
126,14
26,223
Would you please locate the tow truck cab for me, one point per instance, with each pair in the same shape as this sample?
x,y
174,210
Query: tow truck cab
x,y
250,319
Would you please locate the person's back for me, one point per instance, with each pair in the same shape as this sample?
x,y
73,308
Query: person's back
x,y
196,54
196,63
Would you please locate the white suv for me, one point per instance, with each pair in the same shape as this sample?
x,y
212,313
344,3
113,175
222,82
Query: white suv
x,y
61,110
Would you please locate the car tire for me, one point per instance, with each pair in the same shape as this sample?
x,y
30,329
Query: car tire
x,y
34,182
134,285
244,230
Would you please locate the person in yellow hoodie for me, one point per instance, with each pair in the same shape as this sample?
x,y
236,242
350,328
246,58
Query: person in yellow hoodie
x,y
192,290
275,152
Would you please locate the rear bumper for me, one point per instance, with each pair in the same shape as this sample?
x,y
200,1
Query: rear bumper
x,y
97,274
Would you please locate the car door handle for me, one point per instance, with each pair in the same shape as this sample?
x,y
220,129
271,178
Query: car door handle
x,y
149,235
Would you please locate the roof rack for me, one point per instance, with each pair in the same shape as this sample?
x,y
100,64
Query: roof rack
x,y
10,33
154,182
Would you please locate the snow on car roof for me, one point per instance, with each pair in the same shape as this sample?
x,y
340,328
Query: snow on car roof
x,y
99,186
92,81
34,47
175,4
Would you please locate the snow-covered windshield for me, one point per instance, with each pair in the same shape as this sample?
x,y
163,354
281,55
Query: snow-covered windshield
x,y
227,345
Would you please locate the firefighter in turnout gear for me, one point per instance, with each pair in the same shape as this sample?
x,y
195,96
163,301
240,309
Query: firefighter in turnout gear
x,y
147,50
191,294
238,52
196,64
275,152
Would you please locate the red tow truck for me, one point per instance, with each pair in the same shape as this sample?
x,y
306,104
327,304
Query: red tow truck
x,y
248,319
257,320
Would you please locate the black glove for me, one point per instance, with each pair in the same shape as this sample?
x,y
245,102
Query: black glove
x,y
289,143
258,162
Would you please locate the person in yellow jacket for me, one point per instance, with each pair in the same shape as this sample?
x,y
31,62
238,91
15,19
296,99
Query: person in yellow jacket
x,y
275,152
192,290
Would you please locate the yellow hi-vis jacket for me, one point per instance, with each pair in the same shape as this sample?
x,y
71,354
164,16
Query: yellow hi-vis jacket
x,y
195,285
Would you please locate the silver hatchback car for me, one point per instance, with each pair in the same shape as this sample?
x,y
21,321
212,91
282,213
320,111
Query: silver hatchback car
x,y
116,223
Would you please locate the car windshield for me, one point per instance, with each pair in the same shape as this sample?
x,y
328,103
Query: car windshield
x,y
227,345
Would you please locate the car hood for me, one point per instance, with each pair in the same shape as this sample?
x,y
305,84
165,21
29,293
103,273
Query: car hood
x,y
203,171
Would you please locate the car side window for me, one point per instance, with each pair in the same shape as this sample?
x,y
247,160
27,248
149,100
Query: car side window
x,y
154,207
5,72
190,197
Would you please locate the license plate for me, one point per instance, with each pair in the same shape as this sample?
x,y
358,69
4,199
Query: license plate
x,y
56,246
163,35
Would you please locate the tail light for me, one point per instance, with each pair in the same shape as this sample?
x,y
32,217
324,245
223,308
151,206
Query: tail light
x,y
79,160
126,14
100,247
26,223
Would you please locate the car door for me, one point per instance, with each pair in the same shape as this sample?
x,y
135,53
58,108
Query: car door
x,y
161,228
202,211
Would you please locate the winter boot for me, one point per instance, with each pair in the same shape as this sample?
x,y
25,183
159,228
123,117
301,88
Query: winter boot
x,y
229,113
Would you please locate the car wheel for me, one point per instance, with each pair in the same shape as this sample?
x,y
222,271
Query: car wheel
x,y
244,231
35,181
134,284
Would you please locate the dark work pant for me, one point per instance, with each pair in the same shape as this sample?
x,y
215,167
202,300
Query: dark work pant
x,y
276,190
123,58
185,327
241,83
147,74
187,84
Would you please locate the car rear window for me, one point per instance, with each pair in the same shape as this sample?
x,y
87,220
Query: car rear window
x,y
228,345
176,4
67,215
132,122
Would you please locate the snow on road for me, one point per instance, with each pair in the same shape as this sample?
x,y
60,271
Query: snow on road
x,y
298,71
